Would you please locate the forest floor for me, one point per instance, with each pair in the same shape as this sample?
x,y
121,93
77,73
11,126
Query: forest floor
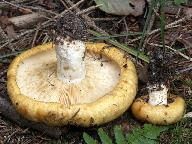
x,y
19,33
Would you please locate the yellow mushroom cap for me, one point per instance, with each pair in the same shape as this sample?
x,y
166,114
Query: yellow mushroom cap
x,y
107,91
159,114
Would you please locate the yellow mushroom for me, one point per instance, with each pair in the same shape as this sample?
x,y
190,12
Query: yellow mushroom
x,y
158,107
100,91
159,114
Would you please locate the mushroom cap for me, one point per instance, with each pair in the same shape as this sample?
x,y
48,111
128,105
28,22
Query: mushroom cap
x,y
94,109
160,114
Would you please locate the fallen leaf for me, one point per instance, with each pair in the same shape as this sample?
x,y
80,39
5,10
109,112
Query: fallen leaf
x,y
4,21
7,26
10,31
122,7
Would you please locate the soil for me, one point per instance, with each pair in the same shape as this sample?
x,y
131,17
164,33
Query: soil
x,y
14,40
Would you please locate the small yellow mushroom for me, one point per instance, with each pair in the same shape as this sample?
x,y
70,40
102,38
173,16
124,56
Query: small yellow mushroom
x,y
164,113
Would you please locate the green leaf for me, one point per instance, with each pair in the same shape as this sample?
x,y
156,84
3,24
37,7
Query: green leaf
x,y
105,139
152,131
178,2
88,139
119,137
146,135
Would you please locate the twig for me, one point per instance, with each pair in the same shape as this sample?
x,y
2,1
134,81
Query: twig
x,y
171,25
178,52
26,20
104,19
72,7
64,4
41,10
126,27
10,54
35,36
5,5
17,6
185,69
88,9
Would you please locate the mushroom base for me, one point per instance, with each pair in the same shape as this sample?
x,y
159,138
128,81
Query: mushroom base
x,y
159,114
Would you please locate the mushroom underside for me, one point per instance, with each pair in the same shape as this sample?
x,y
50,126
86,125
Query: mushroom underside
x,y
37,78
109,87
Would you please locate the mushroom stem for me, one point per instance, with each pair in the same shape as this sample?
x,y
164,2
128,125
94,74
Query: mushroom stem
x,y
158,95
70,60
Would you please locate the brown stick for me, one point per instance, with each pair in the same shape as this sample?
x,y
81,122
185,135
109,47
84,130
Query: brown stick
x,y
8,111
26,20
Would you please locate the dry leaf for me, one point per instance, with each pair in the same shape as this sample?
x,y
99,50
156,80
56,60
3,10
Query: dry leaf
x,y
7,26
10,31
4,21
122,7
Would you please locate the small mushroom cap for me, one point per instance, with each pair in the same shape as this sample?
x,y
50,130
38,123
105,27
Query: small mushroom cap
x,y
160,114
38,95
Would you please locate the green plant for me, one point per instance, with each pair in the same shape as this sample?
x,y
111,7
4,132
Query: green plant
x,y
147,135
178,2
181,132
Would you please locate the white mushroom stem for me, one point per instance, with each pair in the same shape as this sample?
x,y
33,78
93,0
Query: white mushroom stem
x,y
158,96
70,60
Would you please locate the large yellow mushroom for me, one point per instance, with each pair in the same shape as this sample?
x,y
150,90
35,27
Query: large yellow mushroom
x,y
70,81
61,84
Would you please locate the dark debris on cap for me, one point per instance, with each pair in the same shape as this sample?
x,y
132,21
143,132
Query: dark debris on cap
x,y
70,25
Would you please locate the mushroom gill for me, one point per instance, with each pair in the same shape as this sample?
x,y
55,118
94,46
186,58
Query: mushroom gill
x,y
37,79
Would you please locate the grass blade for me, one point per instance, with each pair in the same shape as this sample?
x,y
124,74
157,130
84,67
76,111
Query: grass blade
x,y
115,35
162,24
152,5
123,47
